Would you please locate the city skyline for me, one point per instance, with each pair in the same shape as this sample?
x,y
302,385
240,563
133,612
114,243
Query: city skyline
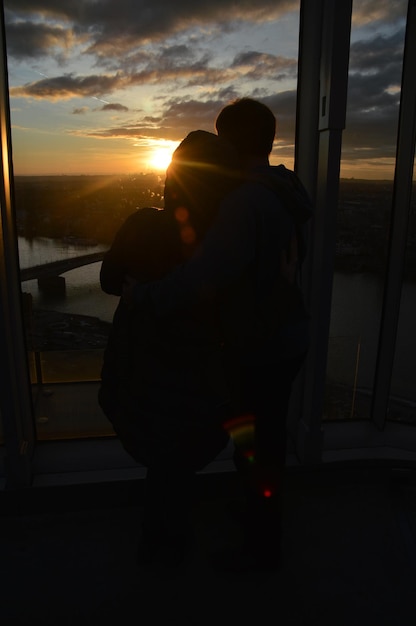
x,y
111,88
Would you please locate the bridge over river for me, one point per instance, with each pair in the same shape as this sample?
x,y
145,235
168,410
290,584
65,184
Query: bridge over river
x,y
56,268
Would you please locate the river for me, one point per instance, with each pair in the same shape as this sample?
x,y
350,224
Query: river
x,y
355,314
83,294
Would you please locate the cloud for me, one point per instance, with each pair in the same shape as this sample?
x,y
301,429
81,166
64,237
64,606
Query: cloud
x,y
162,45
128,23
114,107
37,27
374,95
106,107
253,64
35,40
379,54
372,11
180,116
162,68
69,86
80,111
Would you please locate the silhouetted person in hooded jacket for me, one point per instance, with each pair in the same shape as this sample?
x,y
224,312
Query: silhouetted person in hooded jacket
x,y
250,259
163,385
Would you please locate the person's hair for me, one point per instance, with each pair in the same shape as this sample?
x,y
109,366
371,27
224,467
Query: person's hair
x,y
249,125
204,168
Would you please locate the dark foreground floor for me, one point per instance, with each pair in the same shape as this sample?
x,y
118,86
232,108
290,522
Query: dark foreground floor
x,y
67,556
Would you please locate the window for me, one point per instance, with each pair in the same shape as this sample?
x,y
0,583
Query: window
x,y
97,107
364,210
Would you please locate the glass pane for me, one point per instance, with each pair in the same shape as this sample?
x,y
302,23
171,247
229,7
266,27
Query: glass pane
x,y
2,456
402,403
67,322
98,104
366,186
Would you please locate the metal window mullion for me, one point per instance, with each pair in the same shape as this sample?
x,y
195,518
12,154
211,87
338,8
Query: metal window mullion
x,y
333,58
405,154
306,165
15,390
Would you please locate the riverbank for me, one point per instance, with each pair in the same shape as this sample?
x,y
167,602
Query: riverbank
x,y
55,331
52,330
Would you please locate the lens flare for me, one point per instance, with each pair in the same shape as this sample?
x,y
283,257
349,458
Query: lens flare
x,y
188,234
181,214
241,431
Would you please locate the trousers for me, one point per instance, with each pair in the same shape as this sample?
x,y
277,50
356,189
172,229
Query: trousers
x,y
260,458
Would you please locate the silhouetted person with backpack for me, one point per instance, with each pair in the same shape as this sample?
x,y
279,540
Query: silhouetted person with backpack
x,y
162,381
249,261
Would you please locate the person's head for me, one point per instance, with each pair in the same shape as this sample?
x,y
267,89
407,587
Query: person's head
x,y
204,168
249,126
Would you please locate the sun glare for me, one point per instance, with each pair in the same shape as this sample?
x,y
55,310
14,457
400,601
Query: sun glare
x,y
160,158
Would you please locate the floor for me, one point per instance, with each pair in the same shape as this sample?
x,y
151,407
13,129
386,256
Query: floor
x,y
68,555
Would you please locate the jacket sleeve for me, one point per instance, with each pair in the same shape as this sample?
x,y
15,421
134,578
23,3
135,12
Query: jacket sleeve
x,y
114,265
111,276
223,256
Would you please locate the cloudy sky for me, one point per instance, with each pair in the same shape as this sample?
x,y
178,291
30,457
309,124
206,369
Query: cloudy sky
x,y
112,86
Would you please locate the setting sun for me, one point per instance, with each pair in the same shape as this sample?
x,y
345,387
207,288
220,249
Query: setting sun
x,y
160,158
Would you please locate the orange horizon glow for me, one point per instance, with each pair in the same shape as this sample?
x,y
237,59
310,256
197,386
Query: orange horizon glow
x,y
152,158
